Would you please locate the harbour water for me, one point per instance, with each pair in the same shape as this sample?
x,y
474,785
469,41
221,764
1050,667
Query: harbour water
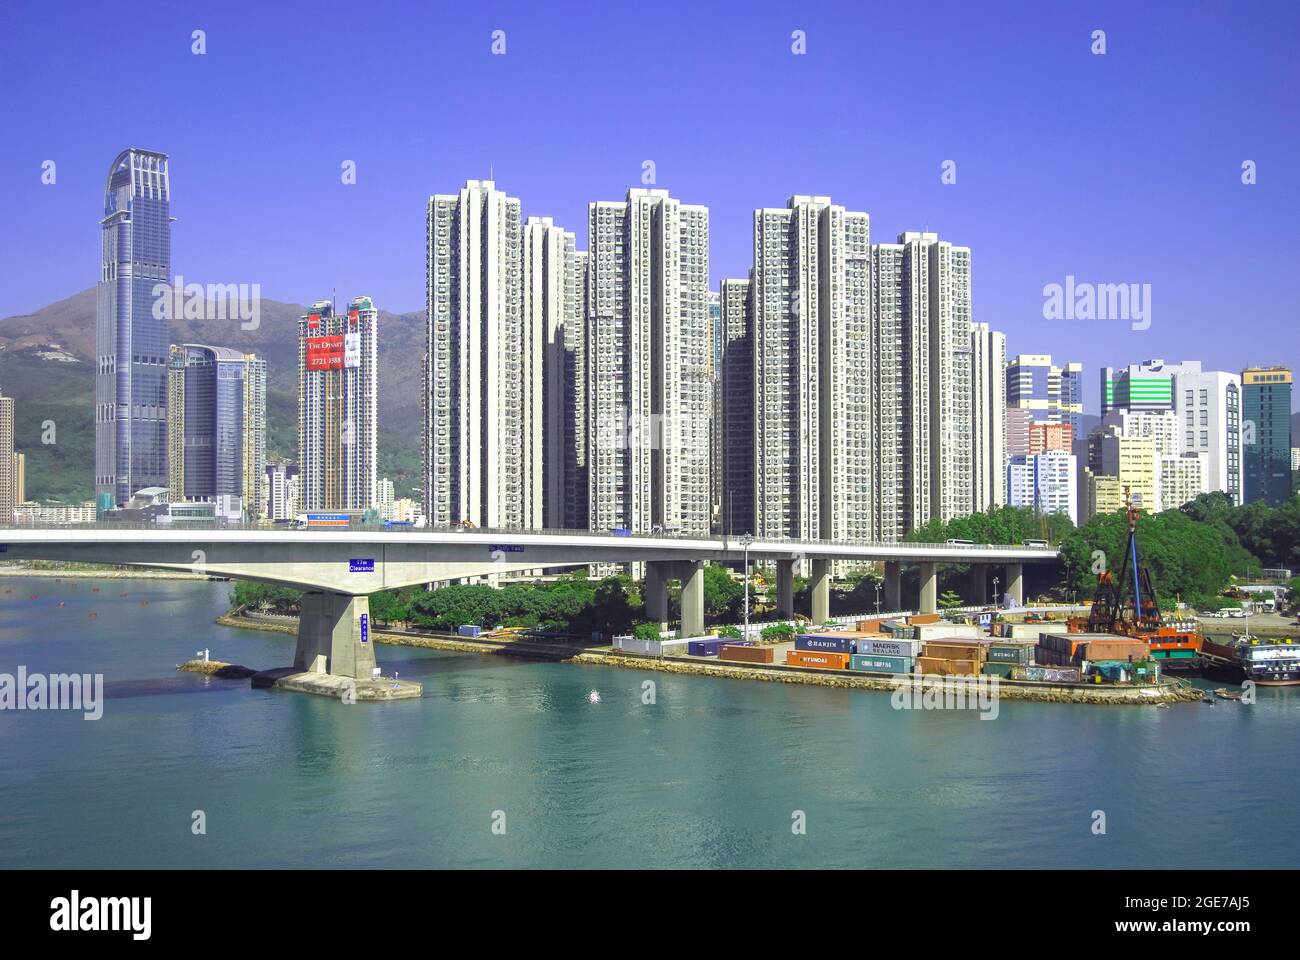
x,y
710,774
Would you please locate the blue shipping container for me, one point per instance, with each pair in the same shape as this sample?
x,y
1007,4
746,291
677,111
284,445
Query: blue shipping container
x,y
879,663
710,647
469,630
824,642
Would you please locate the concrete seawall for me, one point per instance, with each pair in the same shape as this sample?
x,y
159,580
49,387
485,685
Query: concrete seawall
x,y
1166,692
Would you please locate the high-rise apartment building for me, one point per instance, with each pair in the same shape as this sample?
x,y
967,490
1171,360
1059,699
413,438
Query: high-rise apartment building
x,y
281,490
1207,404
337,410
988,416
576,439
1266,434
551,327
131,337
649,363
20,478
1181,479
8,492
1132,461
1051,393
737,410
811,296
715,420
475,393
1045,481
216,426
922,370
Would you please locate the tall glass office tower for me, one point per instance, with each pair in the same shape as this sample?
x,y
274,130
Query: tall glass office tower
x,y
131,337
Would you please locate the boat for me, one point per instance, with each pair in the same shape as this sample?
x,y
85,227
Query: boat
x,y
1223,693
1270,663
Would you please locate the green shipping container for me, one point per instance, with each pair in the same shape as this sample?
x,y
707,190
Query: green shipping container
x,y
879,663
994,669
1011,653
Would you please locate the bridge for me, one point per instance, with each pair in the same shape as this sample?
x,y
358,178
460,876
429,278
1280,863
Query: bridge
x,y
339,568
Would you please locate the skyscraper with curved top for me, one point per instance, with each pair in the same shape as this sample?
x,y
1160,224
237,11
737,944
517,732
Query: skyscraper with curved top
x,y
131,329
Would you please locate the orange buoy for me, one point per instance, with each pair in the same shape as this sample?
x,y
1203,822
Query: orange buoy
x,y
92,614
94,589
60,603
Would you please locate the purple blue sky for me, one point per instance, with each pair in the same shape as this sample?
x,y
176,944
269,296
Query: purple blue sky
x,y
1123,168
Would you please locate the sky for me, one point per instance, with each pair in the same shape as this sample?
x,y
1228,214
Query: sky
x,y
1119,168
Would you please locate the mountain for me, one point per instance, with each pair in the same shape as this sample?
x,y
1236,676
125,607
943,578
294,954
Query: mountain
x,y
47,366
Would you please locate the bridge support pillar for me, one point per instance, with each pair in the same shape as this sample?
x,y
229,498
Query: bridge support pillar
x,y
893,585
334,636
979,584
692,577
821,591
929,602
785,588
1016,582
657,574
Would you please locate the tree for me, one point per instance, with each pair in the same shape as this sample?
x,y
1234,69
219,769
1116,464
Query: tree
x,y
777,632
722,595
646,631
388,606
949,599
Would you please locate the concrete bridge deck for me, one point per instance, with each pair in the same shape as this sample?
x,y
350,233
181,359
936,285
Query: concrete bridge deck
x,y
340,567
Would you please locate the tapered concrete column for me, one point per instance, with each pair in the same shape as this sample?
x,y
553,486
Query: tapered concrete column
x,y
979,583
821,591
929,589
893,585
334,636
692,577
785,588
657,575
1016,582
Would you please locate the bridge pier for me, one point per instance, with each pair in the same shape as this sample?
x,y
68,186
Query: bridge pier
x,y
657,575
1016,582
692,577
929,602
335,656
821,591
893,585
979,583
785,588
330,636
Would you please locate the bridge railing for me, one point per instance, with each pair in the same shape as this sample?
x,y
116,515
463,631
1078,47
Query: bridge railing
x,y
730,542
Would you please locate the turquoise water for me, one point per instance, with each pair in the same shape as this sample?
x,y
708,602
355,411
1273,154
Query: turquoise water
x,y
708,776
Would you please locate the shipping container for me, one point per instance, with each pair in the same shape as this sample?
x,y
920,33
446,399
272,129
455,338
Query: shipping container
x,y
954,650
878,663
469,630
890,647
1048,674
918,619
1011,652
817,658
1117,649
870,626
995,669
836,642
945,631
1032,631
745,653
709,646
947,667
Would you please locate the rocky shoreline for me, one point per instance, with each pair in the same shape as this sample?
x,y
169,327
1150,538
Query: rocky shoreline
x,y
1167,692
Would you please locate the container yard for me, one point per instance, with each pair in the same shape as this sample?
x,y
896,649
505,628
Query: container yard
x,y
1034,652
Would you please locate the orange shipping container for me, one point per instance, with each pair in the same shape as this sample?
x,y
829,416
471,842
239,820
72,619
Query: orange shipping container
x,y
942,667
817,658
1113,650
953,650
869,626
919,618
746,654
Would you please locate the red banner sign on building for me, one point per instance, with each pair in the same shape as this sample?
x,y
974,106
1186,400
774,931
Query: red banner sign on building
x,y
313,321
325,353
